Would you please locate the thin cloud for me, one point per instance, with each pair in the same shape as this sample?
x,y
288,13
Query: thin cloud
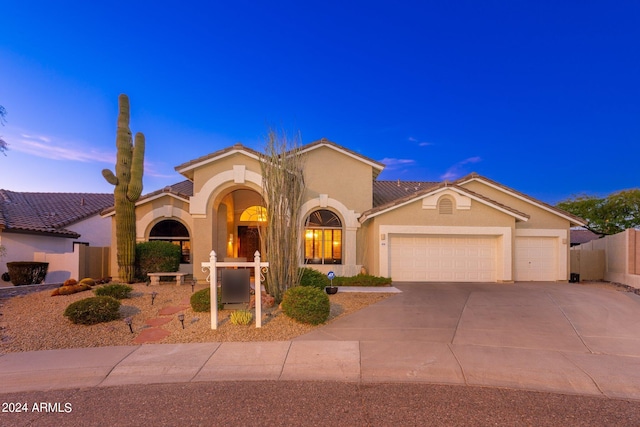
x,y
393,163
49,148
420,143
457,170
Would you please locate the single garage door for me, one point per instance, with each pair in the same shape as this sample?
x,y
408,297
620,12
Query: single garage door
x,y
418,258
536,259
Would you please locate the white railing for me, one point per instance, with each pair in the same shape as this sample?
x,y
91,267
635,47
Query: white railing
x,y
212,278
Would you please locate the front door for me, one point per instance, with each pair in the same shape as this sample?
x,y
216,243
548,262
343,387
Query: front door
x,y
248,241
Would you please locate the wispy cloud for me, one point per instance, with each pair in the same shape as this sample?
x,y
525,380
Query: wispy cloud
x,y
51,148
393,163
458,170
420,143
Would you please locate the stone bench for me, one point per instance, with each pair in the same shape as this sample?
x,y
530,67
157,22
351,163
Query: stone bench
x,y
155,277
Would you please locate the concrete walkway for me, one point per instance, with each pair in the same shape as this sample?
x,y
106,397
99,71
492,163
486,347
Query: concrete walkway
x,y
561,338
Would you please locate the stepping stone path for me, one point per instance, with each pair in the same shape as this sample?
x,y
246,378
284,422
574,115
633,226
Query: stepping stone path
x,y
154,331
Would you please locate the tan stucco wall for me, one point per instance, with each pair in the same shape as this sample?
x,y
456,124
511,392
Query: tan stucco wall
x,y
343,178
208,171
367,247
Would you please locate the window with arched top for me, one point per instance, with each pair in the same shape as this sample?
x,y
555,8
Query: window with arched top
x,y
323,238
175,232
254,214
445,206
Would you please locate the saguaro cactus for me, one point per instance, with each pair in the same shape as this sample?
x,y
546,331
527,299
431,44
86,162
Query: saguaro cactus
x,y
128,187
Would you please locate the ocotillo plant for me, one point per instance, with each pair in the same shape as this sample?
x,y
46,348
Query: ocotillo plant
x,y
128,187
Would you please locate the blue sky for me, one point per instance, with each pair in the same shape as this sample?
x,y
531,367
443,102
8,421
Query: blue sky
x,y
541,96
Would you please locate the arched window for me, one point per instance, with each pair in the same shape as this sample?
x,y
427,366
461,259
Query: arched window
x,y
323,238
175,232
254,214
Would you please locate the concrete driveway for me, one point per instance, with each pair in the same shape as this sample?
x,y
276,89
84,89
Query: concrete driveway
x,y
556,337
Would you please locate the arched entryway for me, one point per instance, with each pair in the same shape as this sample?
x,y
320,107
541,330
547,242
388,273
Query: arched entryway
x,y
240,214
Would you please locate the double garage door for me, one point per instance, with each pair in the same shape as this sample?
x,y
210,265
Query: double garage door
x,y
415,258
420,258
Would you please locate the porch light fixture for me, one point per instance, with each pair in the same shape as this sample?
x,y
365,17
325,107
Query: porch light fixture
x,y
129,322
181,319
154,294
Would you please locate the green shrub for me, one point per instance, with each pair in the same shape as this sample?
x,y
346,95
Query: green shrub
x,y
313,278
90,311
116,290
241,317
362,280
156,256
306,304
27,272
201,300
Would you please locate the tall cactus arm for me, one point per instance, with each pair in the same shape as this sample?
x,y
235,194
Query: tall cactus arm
x,y
110,177
137,168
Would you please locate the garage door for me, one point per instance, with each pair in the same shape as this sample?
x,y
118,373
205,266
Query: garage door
x,y
536,259
416,258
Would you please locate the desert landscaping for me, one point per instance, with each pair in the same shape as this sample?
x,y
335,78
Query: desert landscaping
x,y
35,321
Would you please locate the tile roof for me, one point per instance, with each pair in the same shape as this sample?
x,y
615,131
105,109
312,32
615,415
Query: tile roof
x,y
181,189
580,236
387,191
48,213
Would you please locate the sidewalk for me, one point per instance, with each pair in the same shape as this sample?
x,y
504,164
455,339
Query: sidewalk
x,y
438,337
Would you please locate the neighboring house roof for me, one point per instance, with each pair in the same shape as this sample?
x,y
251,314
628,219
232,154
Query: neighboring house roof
x,y
420,194
575,220
580,236
48,213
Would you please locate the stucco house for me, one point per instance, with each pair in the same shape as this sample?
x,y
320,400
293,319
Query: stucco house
x,y
50,226
473,229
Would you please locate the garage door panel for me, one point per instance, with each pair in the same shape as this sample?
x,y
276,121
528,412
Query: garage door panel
x,y
536,258
443,258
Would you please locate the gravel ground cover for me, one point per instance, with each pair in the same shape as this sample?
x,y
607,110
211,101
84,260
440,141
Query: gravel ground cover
x,y
32,319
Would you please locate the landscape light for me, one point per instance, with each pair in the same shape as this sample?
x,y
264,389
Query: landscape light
x,y
193,285
154,294
181,319
129,321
